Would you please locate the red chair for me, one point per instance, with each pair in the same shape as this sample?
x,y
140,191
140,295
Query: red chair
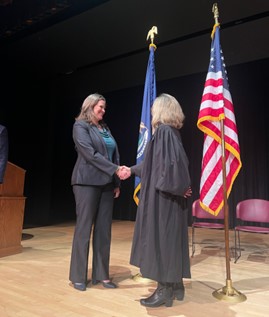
x,y
252,215
203,219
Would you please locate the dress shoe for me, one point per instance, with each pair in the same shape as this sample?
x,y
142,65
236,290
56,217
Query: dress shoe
x,y
108,284
163,295
178,290
80,286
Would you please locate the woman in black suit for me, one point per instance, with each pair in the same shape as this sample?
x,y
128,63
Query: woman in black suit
x,y
95,185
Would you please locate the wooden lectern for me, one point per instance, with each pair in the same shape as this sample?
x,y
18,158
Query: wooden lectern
x,y
12,203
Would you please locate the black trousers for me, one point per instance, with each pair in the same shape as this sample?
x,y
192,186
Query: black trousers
x,y
94,209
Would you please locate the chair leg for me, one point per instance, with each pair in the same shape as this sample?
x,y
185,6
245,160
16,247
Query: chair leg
x,y
235,247
237,241
193,242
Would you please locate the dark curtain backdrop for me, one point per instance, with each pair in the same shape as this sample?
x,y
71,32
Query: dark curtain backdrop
x,y
39,117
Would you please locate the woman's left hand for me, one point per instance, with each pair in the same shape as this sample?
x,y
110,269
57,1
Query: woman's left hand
x,y
188,192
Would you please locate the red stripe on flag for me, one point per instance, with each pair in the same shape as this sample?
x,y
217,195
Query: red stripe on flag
x,y
213,82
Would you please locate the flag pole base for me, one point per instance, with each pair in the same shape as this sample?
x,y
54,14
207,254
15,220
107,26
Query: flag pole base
x,y
139,278
229,293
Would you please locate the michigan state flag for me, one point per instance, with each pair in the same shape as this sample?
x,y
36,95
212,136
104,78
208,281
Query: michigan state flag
x,y
145,123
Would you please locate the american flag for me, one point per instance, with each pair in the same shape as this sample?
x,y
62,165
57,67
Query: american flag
x,y
217,105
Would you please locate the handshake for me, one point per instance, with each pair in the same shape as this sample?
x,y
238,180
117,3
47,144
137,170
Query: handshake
x,y
123,172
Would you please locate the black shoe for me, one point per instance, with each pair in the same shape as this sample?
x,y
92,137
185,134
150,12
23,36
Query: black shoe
x,y
80,286
178,290
105,284
109,284
163,295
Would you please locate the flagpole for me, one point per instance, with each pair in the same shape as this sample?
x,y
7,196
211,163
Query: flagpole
x,y
151,35
228,292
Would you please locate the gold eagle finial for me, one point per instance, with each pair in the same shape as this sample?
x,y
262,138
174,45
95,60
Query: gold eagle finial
x,y
151,33
215,10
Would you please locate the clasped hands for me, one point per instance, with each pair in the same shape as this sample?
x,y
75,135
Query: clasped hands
x,y
123,172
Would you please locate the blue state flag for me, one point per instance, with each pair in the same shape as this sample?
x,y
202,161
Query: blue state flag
x,y
145,123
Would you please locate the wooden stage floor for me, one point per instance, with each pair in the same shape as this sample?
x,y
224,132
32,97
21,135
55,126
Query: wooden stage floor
x,y
35,283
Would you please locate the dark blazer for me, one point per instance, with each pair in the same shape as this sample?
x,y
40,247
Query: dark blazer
x,y
93,166
3,151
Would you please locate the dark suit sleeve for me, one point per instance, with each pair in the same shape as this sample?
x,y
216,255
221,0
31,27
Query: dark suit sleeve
x,y
3,152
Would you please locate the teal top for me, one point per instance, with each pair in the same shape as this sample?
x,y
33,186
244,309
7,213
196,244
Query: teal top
x,y
110,143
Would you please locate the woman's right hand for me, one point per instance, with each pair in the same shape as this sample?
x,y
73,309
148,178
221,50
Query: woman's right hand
x,y
123,172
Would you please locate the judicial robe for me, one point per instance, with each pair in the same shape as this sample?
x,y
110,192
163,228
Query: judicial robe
x,y
160,245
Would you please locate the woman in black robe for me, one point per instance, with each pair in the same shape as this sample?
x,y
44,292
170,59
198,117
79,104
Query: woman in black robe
x,y
160,245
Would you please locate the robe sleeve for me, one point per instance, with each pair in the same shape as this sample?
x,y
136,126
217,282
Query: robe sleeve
x,y
174,177
136,169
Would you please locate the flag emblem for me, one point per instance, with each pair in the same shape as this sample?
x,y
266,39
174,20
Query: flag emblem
x,y
143,139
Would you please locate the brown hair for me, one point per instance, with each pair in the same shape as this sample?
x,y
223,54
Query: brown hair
x,y
86,112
